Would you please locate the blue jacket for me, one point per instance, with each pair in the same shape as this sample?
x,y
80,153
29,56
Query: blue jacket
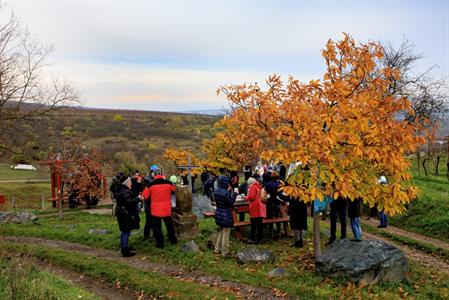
x,y
224,200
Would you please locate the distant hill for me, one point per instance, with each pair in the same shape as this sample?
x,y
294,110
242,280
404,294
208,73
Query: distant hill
x,y
116,134
210,112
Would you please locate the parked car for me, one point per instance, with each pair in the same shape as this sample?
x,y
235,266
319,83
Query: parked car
x,y
24,167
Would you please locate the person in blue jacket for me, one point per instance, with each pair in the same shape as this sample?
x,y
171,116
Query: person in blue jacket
x,y
224,199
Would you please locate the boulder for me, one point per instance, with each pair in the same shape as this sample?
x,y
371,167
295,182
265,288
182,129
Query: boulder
x,y
278,272
190,247
201,204
252,254
365,262
16,217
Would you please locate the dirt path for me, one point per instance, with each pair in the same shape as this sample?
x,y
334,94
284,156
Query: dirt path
x,y
408,234
101,288
141,262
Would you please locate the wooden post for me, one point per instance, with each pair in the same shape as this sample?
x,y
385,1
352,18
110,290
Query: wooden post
x,y
316,234
189,174
43,202
13,203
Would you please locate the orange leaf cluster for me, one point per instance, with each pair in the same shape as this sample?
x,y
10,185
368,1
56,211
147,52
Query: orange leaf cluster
x,y
346,128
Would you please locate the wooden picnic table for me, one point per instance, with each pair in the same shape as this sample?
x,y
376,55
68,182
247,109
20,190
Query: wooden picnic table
x,y
241,208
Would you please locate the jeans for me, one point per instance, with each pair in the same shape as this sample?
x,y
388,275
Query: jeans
x,y
157,229
124,238
256,226
383,219
222,244
338,207
147,227
356,229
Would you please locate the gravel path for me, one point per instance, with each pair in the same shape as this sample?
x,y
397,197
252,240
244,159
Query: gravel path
x,y
408,234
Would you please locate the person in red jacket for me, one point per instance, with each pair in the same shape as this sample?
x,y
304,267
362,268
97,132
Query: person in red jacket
x,y
159,191
257,210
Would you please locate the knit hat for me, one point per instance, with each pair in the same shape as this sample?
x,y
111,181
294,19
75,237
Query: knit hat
x,y
125,180
251,180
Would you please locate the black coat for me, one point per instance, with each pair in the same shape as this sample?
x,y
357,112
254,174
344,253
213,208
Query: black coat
x,y
297,210
126,211
224,200
354,208
272,188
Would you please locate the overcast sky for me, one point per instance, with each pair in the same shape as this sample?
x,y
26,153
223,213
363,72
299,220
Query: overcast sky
x,y
172,55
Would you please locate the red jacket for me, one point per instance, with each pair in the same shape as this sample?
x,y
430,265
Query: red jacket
x,y
256,206
159,193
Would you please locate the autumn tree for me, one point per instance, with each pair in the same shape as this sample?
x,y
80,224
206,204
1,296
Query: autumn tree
x,y
180,158
347,128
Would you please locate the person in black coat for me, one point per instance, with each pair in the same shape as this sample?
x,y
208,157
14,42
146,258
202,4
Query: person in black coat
x,y
338,209
297,210
224,199
273,203
127,213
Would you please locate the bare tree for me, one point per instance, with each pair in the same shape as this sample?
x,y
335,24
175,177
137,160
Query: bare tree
x,y
26,91
429,96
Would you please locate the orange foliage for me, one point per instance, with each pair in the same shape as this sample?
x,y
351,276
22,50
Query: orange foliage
x,y
179,158
345,127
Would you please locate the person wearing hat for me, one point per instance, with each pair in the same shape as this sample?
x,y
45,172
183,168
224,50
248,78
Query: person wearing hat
x,y
224,200
127,213
257,210
160,193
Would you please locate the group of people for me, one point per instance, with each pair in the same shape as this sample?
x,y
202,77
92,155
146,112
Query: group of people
x,y
156,193
262,191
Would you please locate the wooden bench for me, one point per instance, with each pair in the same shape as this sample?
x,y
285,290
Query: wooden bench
x,y
209,214
284,219
240,225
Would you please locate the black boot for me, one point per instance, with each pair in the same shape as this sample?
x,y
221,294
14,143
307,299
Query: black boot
x,y
126,252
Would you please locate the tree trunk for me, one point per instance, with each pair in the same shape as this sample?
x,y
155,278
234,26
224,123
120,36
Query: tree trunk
x,y
437,165
316,234
424,166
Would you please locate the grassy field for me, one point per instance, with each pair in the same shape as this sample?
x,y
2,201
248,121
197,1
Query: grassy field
x,y
20,279
302,283
6,173
429,213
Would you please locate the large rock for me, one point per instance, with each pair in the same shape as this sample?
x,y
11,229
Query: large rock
x,y
278,272
190,247
252,254
364,263
16,217
201,204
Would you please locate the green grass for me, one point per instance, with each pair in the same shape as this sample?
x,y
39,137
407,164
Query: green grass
x,y
6,173
429,213
22,280
302,283
154,284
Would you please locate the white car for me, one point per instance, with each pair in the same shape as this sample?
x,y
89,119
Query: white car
x,y
24,167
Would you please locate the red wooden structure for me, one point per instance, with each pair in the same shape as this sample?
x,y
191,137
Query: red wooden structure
x,y
56,171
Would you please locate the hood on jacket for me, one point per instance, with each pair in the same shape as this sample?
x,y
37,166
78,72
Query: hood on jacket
x,y
223,181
